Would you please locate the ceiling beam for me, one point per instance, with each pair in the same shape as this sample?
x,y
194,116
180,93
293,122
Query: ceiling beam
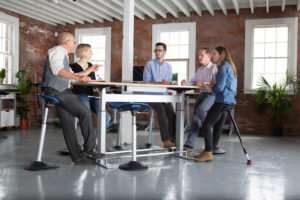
x,y
209,7
171,8
182,6
76,17
51,13
25,13
88,9
137,12
36,11
110,13
251,6
80,12
156,7
283,5
222,6
111,5
236,6
196,6
145,9
267,6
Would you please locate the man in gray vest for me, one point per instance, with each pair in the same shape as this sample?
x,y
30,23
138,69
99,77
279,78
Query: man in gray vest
x,y
56,80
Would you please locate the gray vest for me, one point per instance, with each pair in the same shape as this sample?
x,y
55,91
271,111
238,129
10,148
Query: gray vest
x,y
54,81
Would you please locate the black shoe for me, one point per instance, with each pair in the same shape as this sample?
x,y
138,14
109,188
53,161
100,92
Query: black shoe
x,y
94,154
187,147
83,160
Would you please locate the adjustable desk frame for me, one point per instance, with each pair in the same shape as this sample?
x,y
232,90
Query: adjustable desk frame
x,y
145,98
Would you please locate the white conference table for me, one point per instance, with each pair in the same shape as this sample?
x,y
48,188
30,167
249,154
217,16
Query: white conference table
x,y
139,92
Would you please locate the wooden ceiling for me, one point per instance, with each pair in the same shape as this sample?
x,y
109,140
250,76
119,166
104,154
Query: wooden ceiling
x,y
80,11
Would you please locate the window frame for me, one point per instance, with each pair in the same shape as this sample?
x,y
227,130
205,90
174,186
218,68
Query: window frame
x,y
291,22
14,22
191,27
103,31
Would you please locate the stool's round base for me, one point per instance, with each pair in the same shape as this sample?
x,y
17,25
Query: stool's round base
x,y
133,166
64,152
148,146
118,148
38,166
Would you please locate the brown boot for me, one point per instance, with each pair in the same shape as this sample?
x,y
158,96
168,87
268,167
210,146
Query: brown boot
x,y
168,144
204,156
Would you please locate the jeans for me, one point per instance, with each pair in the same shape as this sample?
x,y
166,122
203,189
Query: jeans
x,y
213,125
166,120
203,104
70,107
93,104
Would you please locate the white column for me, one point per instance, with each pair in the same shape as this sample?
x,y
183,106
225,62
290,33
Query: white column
x,y
127,65
128,33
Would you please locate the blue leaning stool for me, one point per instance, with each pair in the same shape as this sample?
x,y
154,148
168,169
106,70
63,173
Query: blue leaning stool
x,y
39,164
133,165
118,146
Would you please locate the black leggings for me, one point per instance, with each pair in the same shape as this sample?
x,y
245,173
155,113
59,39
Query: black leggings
x,y
213,125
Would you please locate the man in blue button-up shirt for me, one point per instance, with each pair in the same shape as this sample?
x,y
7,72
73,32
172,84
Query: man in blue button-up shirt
x,y
159,71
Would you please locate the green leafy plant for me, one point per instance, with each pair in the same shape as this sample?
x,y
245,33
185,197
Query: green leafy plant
x,y
175,78
24,88
2,73
277,97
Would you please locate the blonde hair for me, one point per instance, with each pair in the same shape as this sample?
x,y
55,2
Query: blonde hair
x,y
81,48
224,55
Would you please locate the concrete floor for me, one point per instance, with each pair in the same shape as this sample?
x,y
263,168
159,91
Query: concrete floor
x,y
273,175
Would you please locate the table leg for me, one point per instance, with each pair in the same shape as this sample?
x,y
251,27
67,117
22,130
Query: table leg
x,y
180,123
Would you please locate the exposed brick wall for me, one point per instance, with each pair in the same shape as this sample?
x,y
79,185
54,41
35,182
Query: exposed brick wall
x,y
211,31
36,38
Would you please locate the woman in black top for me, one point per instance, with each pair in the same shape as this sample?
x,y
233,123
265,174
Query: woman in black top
x,y
84,67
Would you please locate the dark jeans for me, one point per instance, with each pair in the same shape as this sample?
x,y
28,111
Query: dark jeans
x,y
166,120
70,107
213,125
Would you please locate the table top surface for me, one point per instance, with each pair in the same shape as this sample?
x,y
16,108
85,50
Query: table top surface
x,y
134,84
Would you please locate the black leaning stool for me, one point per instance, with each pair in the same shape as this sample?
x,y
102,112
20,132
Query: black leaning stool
x,y
229,109
133,165
39,164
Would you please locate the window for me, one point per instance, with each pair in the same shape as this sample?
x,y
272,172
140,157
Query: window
x,y
9,46
180,41
100,40
271,50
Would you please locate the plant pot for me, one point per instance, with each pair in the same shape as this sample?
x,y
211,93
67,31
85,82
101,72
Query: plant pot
x,y
1,80
23,123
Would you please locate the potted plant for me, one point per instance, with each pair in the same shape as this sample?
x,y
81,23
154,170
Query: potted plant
x,y
24,88
175,78
278,98
2,75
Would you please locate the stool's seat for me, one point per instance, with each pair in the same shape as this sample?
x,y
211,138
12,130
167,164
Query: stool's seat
x,y
49,99
139,107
